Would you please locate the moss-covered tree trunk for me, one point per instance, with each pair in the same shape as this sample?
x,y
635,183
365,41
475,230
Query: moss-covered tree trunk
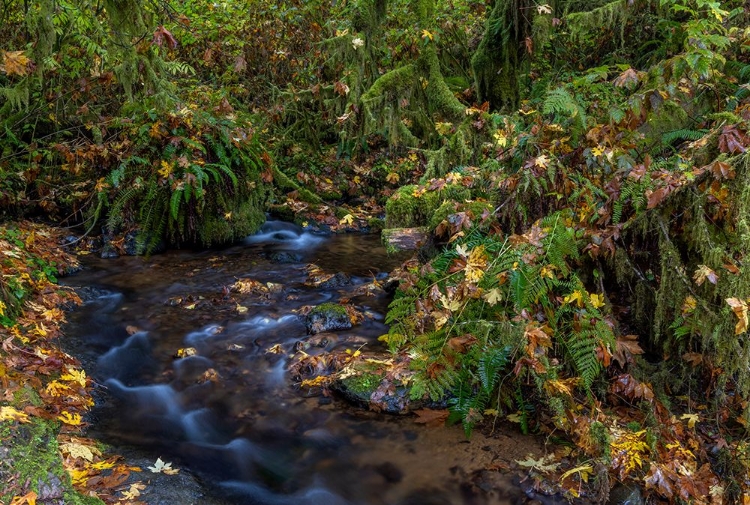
x,y
499,58
420,84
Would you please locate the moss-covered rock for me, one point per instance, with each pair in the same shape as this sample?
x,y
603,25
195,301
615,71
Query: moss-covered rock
x,y
245,219
410,206
327,317
30,461
474,210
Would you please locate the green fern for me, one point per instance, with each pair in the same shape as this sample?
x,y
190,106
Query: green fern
x,y
668,138
562,103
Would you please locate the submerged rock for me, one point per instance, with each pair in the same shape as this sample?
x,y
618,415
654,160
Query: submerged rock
x,y
626,495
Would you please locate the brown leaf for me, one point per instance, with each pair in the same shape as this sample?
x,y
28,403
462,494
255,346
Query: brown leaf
x,y
463,343
432,418
627,78
656,197
162,35
694,358
660,479
703,273
721,170
732,140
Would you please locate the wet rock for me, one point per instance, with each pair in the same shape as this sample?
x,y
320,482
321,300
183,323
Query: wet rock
x,y
626,495
337,280
51,491
327,317
390,472
320,340
284,257
109,252
406,239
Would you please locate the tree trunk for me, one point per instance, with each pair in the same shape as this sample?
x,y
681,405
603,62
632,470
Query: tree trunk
x,y
500,56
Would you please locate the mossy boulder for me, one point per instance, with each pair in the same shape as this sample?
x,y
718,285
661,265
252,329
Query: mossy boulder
x,y
372,383
30,461
412,206
474,210
327,317
245,219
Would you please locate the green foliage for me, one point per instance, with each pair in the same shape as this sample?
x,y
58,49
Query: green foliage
x,y
187,177
463,320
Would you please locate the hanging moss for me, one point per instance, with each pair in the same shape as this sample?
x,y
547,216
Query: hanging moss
x,y
498,61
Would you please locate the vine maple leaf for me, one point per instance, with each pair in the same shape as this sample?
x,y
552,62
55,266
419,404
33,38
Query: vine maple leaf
x,y
15,63
704,273
739,307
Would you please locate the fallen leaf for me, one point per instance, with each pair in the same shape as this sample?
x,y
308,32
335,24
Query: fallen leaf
x,y
430,417
690,418
11,414
162,467
543,464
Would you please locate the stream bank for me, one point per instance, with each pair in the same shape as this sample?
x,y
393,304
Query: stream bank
x,y
191,351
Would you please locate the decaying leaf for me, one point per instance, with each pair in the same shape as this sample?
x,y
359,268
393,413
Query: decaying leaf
x,y
739,307
431,417
626,347
544,464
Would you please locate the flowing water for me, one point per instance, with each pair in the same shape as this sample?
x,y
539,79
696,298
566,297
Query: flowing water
x,y
231,413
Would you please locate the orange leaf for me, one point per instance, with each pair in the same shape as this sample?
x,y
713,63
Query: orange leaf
x,y
15,62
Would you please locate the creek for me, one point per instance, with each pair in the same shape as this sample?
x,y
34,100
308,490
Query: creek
x,y
231,413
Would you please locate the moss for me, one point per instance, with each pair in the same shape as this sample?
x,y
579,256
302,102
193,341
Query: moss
x,y
447,208
329,309
670,116
31,459
362,385
405,210
245,219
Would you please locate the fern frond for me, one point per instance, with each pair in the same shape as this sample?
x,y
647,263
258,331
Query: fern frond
x,y
669,138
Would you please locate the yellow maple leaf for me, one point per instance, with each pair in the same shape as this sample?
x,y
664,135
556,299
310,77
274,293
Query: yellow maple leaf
x,y
541,161
79,451
72,375
597,151
690,418
347,219
739,307
493,296
15,62
596,300
392,177
426,34
70,419
11,414
166,169
574,297
134,491
103,465
27,499
56,388
78,476
320,380
475,264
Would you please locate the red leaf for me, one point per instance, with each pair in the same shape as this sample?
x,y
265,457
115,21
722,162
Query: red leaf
x,y
161,35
